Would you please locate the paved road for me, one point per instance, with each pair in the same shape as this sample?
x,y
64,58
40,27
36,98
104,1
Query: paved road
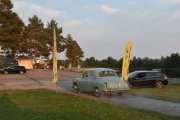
x,y
39,78
34,79
173,81
165,107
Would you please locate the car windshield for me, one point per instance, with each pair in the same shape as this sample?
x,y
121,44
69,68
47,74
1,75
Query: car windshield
x,y
107,73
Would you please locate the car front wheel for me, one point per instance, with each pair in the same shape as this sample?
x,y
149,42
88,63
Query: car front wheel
x,y
75,88
97,92
158,84
165,82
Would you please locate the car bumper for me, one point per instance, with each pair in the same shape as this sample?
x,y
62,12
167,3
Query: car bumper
x,y
115,89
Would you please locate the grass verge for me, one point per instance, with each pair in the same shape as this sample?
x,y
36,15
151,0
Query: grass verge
x,y
168,93
48,105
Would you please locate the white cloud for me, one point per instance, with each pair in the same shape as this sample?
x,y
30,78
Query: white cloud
x,y
109,10
85,7
47,11
72,23
170,1
132,3
175,15
25,8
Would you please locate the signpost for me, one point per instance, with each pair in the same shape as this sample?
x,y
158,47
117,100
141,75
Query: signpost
x,y
54,54
126,60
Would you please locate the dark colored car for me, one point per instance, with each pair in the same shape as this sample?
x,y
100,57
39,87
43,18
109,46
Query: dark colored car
x,y
14,70
147,78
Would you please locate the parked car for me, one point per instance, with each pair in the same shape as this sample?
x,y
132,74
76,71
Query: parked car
x,y
13,70
146,78
99,80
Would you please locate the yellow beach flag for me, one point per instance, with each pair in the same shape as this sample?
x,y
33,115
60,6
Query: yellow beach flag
x,y
126,60
55,71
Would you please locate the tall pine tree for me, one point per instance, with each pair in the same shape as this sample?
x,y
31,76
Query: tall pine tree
x,y
11,27
74,53
49,34
36,42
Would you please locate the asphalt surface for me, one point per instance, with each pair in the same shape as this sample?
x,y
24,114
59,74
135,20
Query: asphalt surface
x,y
39,78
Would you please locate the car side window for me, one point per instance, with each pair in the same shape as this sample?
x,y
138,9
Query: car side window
x,y
16,67
149,75
107,74
85,75
13,67
91,74
141,75
157,74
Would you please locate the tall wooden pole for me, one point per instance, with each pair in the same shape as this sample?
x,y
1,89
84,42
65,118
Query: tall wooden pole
x,y
55,70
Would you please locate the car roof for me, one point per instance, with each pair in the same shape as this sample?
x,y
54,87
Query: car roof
x,y
100,69
145,71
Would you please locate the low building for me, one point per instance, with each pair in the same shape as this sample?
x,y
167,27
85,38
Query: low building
x,y
27,62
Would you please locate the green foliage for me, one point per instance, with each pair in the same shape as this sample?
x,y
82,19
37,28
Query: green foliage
x,y
74,53
39,39
11,27
34,39
47,105
49,34
7,61
169,65
108,62
5,5
36,43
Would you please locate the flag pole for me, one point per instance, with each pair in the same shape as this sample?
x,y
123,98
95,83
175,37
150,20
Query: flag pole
x,y
55,70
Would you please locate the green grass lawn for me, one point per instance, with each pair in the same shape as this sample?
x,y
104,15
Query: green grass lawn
x,y
169,93
48,105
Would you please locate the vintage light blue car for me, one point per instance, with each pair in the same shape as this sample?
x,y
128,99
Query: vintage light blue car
x,y
100,80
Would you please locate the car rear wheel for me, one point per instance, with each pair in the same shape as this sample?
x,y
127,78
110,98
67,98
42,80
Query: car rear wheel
x,y
120,93
130,85
97,92
76,88
158,84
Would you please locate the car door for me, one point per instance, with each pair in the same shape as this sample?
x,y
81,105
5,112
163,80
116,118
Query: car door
x,y
16,69
157,76
11,69
149,78
92,81
84,82
140,79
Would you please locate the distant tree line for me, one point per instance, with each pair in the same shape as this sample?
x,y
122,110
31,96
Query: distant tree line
x,y
169,64
35,38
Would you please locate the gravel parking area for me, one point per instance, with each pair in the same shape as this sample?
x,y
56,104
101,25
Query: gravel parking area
x,y
33,79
